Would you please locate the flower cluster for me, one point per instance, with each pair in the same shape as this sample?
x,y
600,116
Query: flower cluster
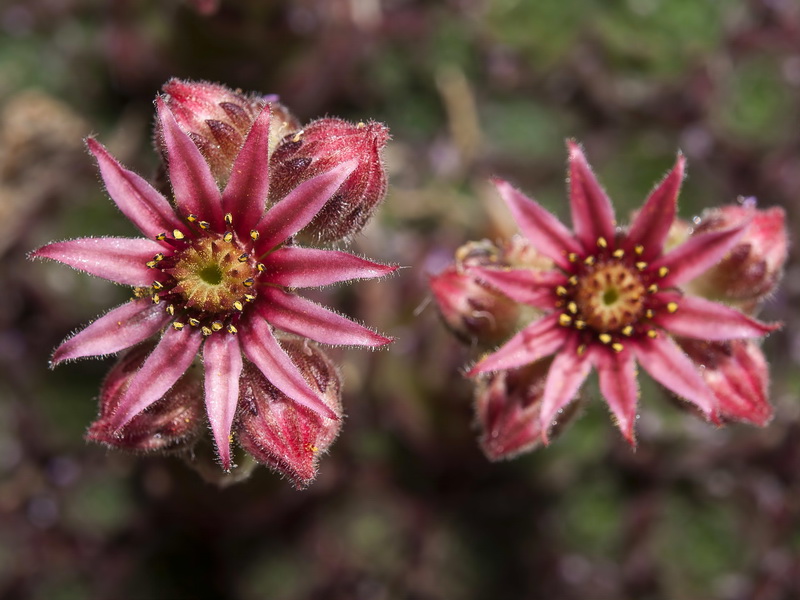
x,y
214,279
674,299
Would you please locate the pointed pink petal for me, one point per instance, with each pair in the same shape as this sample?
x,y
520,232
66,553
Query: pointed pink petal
x,y
528,286
706,320
159,372
539,339
302,204
193,184
121,260
672,368
292,266
617,373
262,349
697,254
592,213
564,379
245,196
120,328
652,223
299,315
545,232
740,384
143,205
222,361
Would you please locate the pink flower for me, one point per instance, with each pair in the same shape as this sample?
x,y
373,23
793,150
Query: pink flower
x,y
213,276
612,298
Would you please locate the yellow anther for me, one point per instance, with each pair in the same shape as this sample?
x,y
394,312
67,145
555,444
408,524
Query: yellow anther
x,y
648,313
572,307
194,322
652,333
561,291
672,307
178,234
170,309
177,325
589,260
228,236
617,347
206,331
261,268
216,325
298,136
360,125
238,305
249,297
229,218
254,235
639,249
204,224
572,257
156,298
641,265
573,280
161,237
564,319
605,338
232,329
652,288
580,324
243,258
581,349
157,285
618,253
158,257
627,330
191,218
248,282
662,271
602,243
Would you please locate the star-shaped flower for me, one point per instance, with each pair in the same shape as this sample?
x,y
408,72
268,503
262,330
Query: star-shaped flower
x,y
613,299
214,275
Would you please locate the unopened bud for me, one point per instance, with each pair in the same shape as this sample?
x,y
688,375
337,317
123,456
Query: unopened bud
x,y
174,421
279,432
217,119
320,146
753,268
737,373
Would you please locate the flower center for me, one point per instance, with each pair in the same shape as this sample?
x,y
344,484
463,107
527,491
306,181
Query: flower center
x,y
610,297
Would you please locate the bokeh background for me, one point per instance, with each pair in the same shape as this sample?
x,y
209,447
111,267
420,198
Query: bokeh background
x,y
405,506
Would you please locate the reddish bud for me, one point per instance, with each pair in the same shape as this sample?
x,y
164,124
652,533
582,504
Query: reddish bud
x,y
508,406
175,420
281,433
320,146
737,373
218,120
753,268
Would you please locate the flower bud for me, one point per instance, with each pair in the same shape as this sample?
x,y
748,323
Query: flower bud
x,y
508,406
218,120
321,145
737,373
281,433
174,421
753,268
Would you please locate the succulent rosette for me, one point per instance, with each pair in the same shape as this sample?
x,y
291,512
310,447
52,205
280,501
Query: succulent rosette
x,y
612,298
215,276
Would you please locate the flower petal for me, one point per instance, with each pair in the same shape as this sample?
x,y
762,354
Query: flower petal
x,y
697,254
672,368
706,320
302,204
565,377
592,212
292,266
299,315
159,372
529,286
618,384
262,349
545,232
120,328
193,184
245,196
222,361
121,260
137,199
652,223
539,339
740,384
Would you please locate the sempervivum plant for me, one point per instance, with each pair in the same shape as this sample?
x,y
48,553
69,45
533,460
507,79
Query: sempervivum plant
x,y
610,298
215,277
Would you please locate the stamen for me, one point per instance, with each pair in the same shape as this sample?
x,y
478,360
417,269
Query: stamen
x,y
249,297
229,218
648,313
158,257
191,218
672,307
178,234
170,309
605,338
232,329
216,325
619,253
639,249
572,257
564,319
652,288
627,330
652,333
157,285
206,331
580,324
177,325
589,260
298,136
244,257
254,235
641,265
238,305
261,268
248,282
204,224
573,280
617,347
156,298
602,243
161,237
561,291
194,322
228,236
572,307
581,349
662,271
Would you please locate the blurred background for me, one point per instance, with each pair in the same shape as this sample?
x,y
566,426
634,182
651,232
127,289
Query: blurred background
x,y
406,505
